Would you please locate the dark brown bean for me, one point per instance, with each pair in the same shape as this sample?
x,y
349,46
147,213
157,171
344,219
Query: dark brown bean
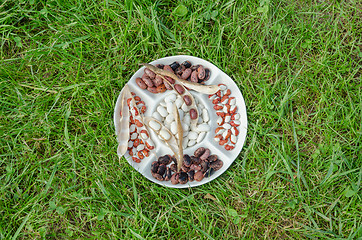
x,y
199,152
187,64
174,65
160,66
183,178
194,67
187,100
205,155
209,172
171,80
179,89
148,81
157,81
166,159
168,68
198,176
152,89
173,167
187,160
161,88
211,158
201,72
167,85
141,83
193,114
161,169
195,167
207,74
191,174
157,176
154,166
180,69
185,169
186,74
204,166
150,73
194,77
217,164
168,174
175,178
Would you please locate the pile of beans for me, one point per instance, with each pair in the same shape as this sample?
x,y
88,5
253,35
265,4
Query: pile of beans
x,y
156,84
228,119
192,133
139,144
196,167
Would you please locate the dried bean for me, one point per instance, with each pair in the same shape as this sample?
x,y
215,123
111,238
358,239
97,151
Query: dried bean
x,y
194,77
199,152
198,176
150,73
166,159
154,166
180,69
167,85
204,166
194,67
211,158
148,81
187,160
193,113
161,169
183,178
179,89
201,72
195,160
168,68
161,88
185,169
173,167
168,174
186,63
171,80
195,167
205,155
157,176
191,175
160,66
217,164
157,81
175,178
186,74
209,172
152,89
174,65
207,74
141,83
187,100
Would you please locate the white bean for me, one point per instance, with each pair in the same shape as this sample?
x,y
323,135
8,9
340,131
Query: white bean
x,y
170,118
233,101
219,121
185,127
162,111
144,136
164,134
227,118
185,141
187,119
184,107
163,104
179,102
130,144
155,125
222,87
134,136
173,128
169,106
132,128
225,109
205,115
203,127
170,98
191,142
181,114
140,147
200,137
226,126
193,135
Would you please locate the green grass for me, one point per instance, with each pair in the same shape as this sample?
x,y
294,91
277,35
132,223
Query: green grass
x,y
297,63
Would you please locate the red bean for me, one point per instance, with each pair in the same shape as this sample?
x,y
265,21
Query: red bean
x,y
161,88
171,80
158,81
148,81
187,100
186,74
141,83
168,68
167,85
201,72
150,73
152,89
194,77
179,89
193,113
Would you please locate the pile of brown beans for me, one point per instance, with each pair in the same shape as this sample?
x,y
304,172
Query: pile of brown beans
x,y
202,164
155,84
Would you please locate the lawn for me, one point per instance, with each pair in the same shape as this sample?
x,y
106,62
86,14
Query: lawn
x,y
297,64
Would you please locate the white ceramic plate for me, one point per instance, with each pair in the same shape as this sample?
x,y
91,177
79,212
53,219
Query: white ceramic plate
x,y
152,101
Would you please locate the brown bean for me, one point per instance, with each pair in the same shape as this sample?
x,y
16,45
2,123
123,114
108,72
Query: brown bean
x,y
198,176
187,100
211,158
171,80
148,81
187,64
175,178
186,74
161,88
194,67
199,152
194,77
193,113
179,89
160,66
195,160
157,176
180,69
201,72
207,74
141,83
157,81
152,89
205,155
195,167
167,85
204,166
168,68
217,164
150,73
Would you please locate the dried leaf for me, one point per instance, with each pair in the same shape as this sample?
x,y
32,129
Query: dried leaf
x,y
206,89
209,196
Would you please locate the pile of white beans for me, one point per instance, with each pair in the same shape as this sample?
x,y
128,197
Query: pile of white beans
x,y
192,134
